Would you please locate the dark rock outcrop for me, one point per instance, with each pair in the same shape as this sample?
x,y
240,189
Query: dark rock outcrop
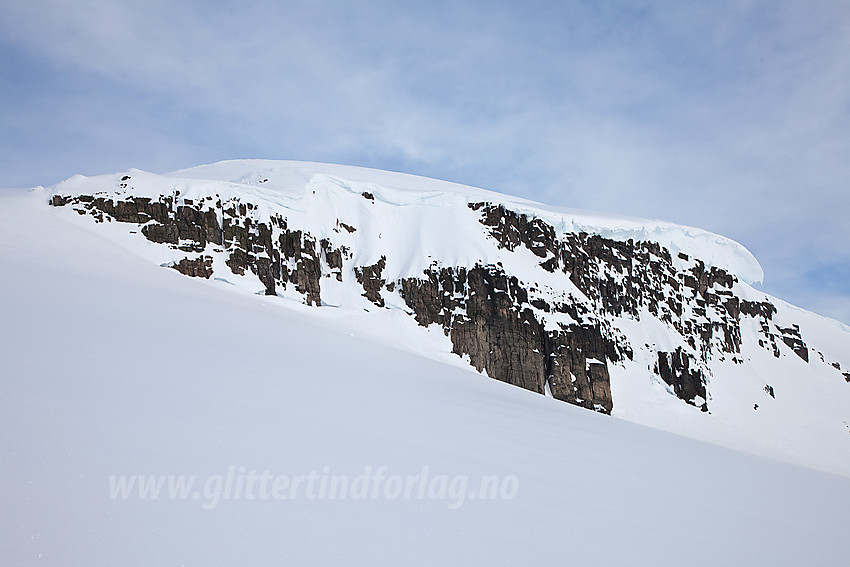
x,y
791,337
276,255
488,317
678,370
198,268
370,278
623,278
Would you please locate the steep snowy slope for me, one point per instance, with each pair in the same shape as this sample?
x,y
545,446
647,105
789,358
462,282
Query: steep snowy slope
x,y
113,368
650,321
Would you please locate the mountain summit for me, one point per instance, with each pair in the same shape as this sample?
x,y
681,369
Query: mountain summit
x,y
645,320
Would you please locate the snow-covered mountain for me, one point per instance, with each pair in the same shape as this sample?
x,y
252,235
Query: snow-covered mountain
x,y
649,321
154,418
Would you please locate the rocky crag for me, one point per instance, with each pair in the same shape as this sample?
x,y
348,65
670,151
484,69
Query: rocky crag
x,y
555,339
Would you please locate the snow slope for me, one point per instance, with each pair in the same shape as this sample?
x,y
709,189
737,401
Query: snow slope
x,y
113,368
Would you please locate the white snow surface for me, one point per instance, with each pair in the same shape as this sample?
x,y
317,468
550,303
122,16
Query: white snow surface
x,y
113,367
289,184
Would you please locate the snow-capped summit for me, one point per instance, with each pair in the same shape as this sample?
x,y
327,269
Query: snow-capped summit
x,y
646,320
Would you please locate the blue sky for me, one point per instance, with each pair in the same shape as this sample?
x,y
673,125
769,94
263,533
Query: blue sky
x,y
729,116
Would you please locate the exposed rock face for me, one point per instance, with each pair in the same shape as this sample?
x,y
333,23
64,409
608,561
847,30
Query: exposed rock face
x,y
488,316
791,337
276,255
197,268
557,341
370,278
624,278
687,383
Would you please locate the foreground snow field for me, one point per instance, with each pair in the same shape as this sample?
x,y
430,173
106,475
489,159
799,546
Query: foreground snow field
x,y
112,367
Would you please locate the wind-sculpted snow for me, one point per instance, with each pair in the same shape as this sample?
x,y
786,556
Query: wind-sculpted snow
x,y
403,189
643,319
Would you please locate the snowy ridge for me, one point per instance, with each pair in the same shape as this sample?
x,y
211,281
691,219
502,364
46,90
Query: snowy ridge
x,y
287,176
283,183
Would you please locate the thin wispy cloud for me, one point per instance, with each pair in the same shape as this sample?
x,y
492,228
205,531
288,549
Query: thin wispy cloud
x,y
731,116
